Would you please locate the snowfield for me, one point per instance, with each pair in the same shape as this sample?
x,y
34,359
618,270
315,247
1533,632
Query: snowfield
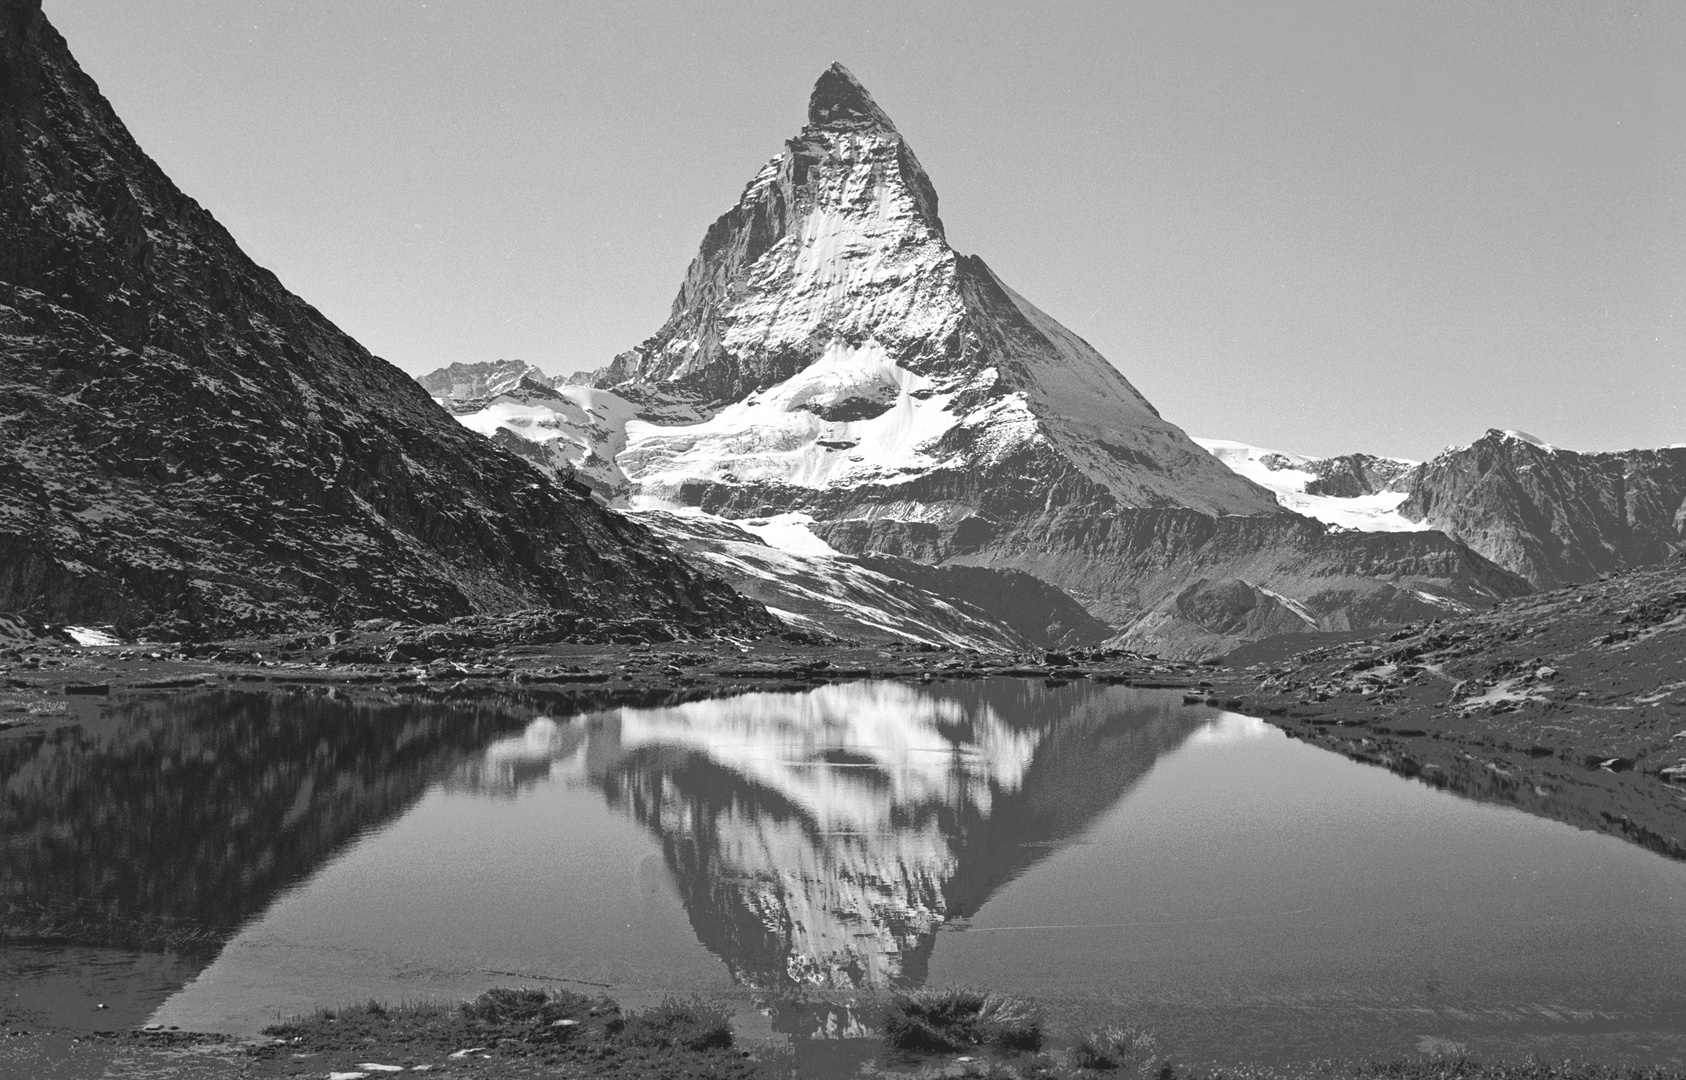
x,y
1287,476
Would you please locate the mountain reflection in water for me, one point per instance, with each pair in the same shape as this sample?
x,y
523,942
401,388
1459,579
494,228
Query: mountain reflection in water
x,y
821,839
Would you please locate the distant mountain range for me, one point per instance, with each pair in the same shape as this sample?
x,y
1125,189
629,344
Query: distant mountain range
x,y
190,450
1555,517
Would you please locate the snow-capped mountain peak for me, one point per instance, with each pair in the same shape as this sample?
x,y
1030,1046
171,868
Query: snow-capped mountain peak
x,y
829,352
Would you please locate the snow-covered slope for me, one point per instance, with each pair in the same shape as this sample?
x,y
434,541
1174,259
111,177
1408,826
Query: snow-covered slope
x,y
1355,491
573,431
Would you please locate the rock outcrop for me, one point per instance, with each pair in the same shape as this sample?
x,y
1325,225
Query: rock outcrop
x,y
1556,517
189,449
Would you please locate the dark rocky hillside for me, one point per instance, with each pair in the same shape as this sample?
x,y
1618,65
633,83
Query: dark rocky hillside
x,y
189,449
1554,516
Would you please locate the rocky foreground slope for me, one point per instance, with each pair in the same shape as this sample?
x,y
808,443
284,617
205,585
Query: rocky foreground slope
x,y
187,449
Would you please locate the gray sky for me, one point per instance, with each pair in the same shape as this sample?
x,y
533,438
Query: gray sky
x,y
1319,227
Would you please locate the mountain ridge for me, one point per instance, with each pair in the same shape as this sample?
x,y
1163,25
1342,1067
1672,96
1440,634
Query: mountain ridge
x,y
192,450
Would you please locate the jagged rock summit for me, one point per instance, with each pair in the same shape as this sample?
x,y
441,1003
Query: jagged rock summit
x,y
839,101
830,354
187,449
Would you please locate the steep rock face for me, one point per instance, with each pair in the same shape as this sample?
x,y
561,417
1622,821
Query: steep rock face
x,y
830,354
566,432
1554,516
829,350
464,382
190,449
1134,567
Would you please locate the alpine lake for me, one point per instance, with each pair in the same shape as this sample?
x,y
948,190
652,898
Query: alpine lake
x,y
1111,852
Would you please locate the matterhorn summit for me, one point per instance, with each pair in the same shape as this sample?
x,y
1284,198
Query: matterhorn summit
x,y
830,352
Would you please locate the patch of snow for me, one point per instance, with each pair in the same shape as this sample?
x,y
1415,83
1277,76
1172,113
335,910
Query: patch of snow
x,y
579,426
1503,690
777,436
92,635
1296,606
1444,602
1523,436
1286,477
788,533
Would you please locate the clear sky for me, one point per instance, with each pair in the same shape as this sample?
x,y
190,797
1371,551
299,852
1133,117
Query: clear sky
x,y
1318,227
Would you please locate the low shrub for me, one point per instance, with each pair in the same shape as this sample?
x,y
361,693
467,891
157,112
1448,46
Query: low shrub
x,y
947,1020
682,1024
1114,1048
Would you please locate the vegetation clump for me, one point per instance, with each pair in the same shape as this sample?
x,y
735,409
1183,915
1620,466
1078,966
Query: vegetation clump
x,y
1116,1048
953,1019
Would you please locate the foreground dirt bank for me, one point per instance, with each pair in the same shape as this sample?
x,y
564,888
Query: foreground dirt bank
x,y
521,1033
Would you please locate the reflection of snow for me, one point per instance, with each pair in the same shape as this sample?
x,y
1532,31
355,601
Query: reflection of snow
x,y
875,771
1230,728
814,836
905,747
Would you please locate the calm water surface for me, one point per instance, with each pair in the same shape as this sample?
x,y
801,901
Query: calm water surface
x,y
1105,849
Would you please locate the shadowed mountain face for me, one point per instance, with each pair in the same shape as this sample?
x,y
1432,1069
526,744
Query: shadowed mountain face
x,y
190,449
822,839
1556,517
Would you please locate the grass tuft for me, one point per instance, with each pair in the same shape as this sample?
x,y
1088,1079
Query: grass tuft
x,y
1115,1048
948,1020
687,1024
